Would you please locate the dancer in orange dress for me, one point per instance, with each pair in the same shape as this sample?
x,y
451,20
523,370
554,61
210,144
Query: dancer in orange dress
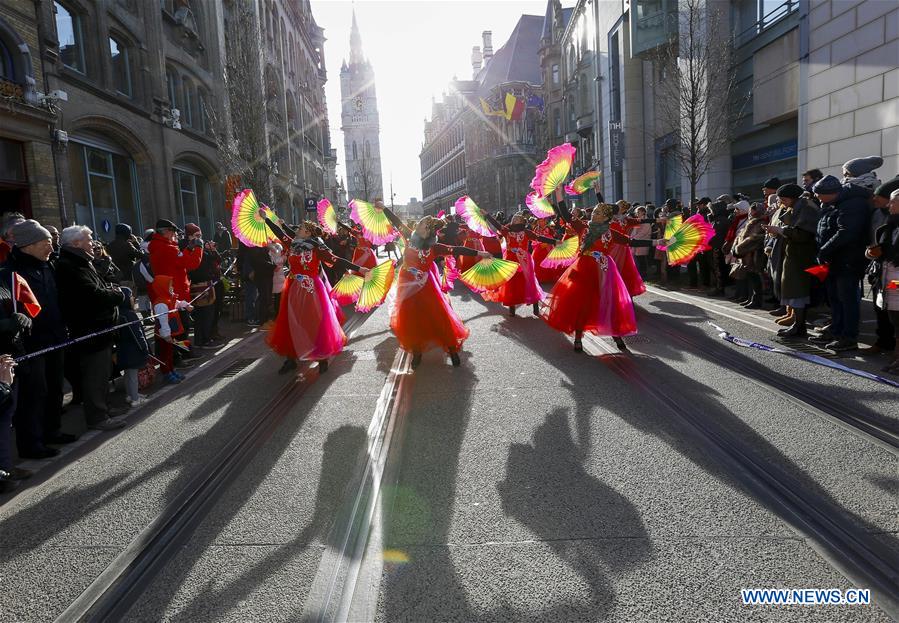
x,y
422,317
591,295
522,288
308,325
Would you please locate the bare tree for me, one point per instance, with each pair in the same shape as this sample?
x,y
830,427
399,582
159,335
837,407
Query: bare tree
x,y
697,96
242,143
367,182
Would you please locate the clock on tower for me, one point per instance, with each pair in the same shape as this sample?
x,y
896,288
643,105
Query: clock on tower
x,y
359,103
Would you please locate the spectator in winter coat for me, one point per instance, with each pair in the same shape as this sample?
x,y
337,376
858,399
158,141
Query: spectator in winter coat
x,y
841,238
886,333
203,293
885,253
8,478
7,222
749,248
39,410
132,350
124,253
720,219
223,240
167,259
89,304
860,172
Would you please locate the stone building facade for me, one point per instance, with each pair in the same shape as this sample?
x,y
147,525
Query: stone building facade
x,y
137,116
27,149
360,123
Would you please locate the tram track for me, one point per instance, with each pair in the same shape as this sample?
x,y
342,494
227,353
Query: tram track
x,y
110,596
881,431
855,553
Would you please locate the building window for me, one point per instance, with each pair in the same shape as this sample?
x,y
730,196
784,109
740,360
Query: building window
x,y
71,41
172,80
367,150
187,112
557,122
104,189
121,71
7,67
555,74
193,198
355,154
204,123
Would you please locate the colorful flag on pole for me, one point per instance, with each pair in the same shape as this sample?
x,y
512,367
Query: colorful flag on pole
x,y
535,101
489,111
21,293
514,107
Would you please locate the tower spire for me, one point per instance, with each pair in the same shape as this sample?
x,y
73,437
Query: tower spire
x,y
355,42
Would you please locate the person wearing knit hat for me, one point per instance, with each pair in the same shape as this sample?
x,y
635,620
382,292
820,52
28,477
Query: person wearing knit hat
x,y
860,171
827,186
769,190
791,191
771,184
28,232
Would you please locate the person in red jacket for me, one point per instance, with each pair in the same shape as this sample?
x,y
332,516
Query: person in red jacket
x,y
167,259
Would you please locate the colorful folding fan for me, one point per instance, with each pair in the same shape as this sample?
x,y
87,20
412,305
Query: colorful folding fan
x,y
539,206
489,274
582,183
375,226
563,254
553,171
376,286
450,273
674,223
474,216
327,216
690,238
246,223
820,271
346,291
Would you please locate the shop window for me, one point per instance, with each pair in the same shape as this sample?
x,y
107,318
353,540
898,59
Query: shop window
x,y
71,40
104,189
121,70
194,200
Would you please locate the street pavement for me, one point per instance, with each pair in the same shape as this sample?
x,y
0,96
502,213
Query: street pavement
x,y
532,483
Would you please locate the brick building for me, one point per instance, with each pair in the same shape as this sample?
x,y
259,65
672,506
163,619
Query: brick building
x,y
27,177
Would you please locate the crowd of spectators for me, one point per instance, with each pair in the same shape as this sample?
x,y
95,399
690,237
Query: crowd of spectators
x,y
75,310
824,244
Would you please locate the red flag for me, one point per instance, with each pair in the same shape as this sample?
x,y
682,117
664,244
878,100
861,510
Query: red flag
x,y
820,271
22,294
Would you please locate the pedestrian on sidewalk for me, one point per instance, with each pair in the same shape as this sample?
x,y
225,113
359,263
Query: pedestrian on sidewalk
x,y
886,253
132,350
89,305
38,417
886,333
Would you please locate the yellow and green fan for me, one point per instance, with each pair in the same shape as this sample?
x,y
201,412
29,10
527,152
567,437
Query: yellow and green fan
x,y
539,206
376,286
327,216
474,216
554,170
376,226
582,183
489,274
246,223
673,224
691,238
346,291
563,254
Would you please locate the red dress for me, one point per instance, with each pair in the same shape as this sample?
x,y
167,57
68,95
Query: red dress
x,y
422,317
363,254
591,295
308,322
522,288
539,253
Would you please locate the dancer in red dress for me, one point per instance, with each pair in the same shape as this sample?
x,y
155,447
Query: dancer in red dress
x,y
471,240
308,325
522,288
591,295
546,227
422,317
364,253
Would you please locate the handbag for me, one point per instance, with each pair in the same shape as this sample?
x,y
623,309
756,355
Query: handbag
x,y
146,376
206,298
738,272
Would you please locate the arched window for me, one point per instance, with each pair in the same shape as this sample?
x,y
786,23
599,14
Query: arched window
x,y
70,37
7,67
171,78
121,69
193,197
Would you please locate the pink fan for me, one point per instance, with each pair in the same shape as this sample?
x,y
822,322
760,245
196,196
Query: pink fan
x,y
539,206
554,170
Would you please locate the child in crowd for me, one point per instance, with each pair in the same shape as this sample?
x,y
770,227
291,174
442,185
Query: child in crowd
x,y
132,350
168,324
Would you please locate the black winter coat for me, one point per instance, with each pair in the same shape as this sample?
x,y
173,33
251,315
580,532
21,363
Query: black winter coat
x,y
124,254
48,328
12,336
843,231
89,302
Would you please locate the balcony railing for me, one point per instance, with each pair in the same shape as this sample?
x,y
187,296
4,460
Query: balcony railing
x,y
773,16
653,22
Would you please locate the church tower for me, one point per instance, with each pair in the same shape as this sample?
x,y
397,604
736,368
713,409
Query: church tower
x,y
360,123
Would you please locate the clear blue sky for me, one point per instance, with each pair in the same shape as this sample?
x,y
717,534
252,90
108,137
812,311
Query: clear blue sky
x,y
416,47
